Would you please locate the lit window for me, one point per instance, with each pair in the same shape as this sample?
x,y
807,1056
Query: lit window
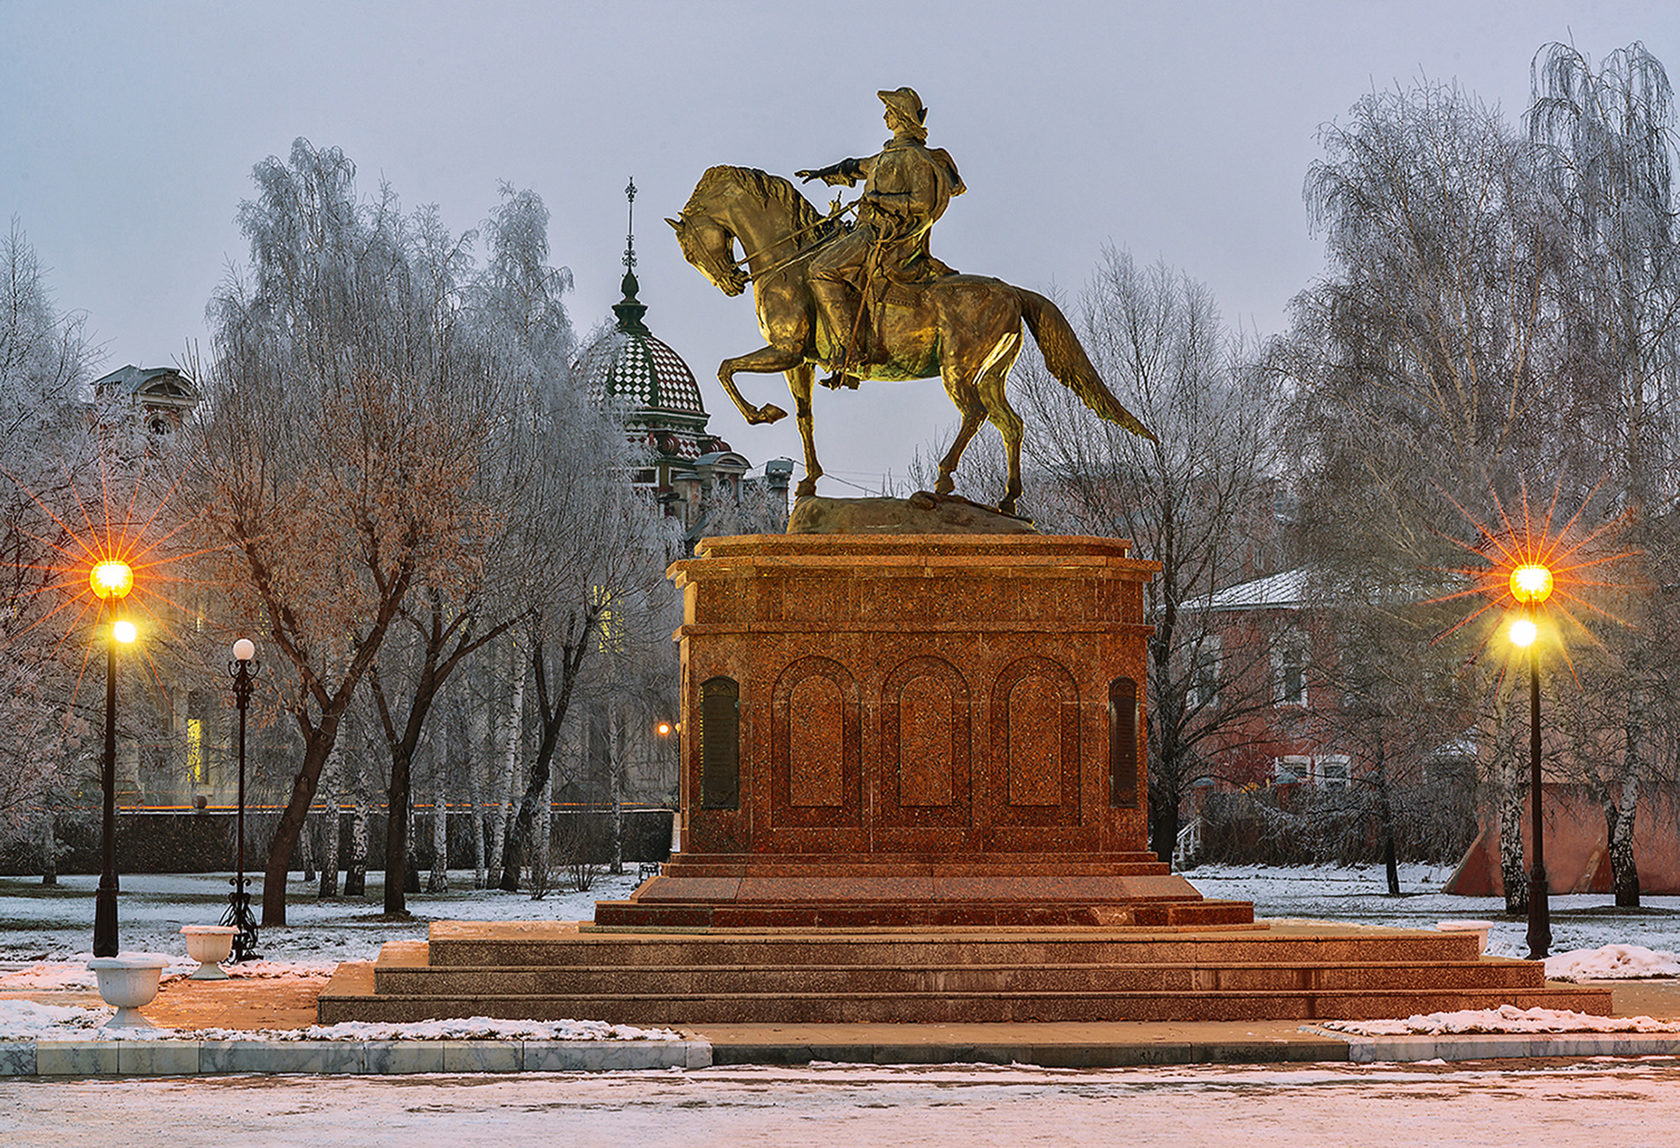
x,y
195,749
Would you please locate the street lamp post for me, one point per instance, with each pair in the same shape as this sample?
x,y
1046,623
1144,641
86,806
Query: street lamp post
x,y
111,581
243,669
1531,585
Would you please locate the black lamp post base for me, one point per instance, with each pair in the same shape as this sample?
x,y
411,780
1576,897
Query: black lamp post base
x,y
239,916
105,920
1539,915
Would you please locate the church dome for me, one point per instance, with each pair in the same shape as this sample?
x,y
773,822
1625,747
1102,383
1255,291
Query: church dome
x,y
632,366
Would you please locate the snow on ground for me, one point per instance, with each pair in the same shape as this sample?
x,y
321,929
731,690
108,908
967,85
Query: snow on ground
x,y
45,934
55,923
1611,963
1359,894
28,1020
1505,1018
1606,1104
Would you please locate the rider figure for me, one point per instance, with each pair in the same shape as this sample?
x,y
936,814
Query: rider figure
x,y
906,188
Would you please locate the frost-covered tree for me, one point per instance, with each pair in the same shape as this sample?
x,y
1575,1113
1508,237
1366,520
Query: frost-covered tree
x,y
1607,147
1423,376
340,442
46,360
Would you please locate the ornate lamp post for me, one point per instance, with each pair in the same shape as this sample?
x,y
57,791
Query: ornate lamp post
x,y
1531,585
111,581
243,669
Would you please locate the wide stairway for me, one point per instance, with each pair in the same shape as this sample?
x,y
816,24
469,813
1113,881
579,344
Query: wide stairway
x,y
557,970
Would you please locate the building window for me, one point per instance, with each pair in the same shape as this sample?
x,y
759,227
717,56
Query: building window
x,y
1331,771
1291,769
1289,664
195,750
1205,660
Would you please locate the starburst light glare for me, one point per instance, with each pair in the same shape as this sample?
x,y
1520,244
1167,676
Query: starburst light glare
x,y
1531,583
124,631
1523,632
112,578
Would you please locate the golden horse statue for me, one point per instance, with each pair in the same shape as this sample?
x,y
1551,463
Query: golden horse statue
x,y
966,329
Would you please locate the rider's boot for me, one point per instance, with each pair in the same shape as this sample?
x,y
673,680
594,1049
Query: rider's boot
x,y
840,306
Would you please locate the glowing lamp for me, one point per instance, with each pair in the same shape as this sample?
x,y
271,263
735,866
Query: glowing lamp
x,y
111,579
664,729
124,631
244,650
1523,632
1531,584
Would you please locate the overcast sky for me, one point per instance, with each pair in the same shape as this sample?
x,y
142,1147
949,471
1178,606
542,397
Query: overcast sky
x,y
1179,130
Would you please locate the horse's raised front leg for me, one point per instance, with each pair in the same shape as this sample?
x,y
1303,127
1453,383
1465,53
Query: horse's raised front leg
x,y
799,384
765,360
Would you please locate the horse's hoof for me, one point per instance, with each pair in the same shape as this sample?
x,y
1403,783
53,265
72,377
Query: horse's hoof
x,y
806,488
945,485
768,413
1007,506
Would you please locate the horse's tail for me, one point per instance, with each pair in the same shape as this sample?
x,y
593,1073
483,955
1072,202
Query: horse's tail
x,y
1069,363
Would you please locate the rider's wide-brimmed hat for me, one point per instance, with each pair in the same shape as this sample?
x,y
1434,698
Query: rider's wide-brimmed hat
x,y
905,100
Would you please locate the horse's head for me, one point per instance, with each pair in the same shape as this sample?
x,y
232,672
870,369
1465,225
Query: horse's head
x,y
710,246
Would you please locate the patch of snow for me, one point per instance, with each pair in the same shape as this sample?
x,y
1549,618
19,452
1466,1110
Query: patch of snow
x,y
1611,963
26,1020
1359,894
475,1028
1504,1019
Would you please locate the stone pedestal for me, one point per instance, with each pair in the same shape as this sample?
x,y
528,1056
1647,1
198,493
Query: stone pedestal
x,y
913,730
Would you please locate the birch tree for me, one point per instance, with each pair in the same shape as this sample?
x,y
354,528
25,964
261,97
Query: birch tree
x,y
46,360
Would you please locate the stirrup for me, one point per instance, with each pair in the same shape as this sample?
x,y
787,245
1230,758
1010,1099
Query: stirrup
x,y
839,380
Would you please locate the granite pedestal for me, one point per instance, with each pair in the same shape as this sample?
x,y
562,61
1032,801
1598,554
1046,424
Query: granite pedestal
x,y
913,730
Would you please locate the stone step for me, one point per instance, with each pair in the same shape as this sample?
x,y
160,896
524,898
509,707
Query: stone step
x,y
910,864
954,1007
917,914
691,980
527,944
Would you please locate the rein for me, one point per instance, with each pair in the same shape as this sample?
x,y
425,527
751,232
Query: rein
x,y
792,235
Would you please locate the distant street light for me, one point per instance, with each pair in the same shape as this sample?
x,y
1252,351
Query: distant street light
x,y
1531,585
111,581
243,669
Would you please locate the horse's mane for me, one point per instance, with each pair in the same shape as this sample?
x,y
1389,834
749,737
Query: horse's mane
x,y
767,188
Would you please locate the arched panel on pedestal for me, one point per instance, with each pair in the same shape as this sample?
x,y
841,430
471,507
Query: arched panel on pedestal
x,y
815,736
1034,775
925,746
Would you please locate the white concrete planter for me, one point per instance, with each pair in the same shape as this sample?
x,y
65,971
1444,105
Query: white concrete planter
x,y
128,983
209,945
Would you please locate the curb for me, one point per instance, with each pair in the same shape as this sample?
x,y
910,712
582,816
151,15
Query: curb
x,y
1504,1046
1132,1054
347,1057
124,1057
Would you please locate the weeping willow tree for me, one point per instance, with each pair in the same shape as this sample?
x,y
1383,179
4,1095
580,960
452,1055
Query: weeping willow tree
x,y
1605,137
1422,383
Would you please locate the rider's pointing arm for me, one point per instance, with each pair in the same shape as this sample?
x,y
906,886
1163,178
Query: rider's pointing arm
x,y
847,171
